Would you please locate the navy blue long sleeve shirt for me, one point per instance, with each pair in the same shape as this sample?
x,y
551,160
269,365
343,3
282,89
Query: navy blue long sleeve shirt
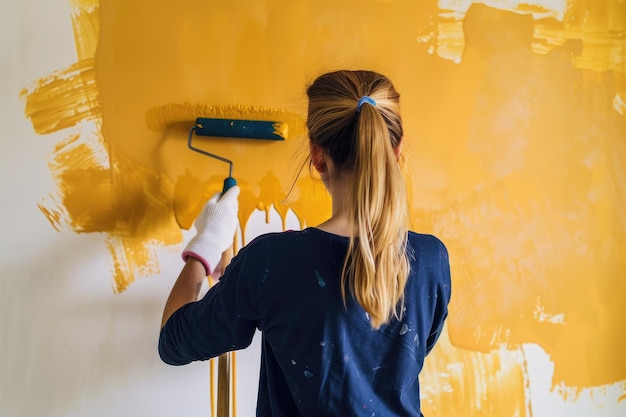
x,y
320,357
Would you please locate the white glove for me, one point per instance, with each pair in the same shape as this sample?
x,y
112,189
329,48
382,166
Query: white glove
x,y
216,225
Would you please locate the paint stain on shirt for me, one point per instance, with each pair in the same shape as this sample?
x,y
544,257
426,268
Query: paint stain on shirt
x,y
266,273
320,279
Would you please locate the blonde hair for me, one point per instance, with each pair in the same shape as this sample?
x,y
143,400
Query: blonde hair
x,y
363,145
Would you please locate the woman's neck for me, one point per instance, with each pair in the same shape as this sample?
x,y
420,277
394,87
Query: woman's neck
x,y
337,226
339,223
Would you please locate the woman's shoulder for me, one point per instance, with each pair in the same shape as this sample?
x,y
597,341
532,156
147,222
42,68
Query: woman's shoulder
x,y
276,242
417,242
293,237
267,240
429,253
426,243
282,251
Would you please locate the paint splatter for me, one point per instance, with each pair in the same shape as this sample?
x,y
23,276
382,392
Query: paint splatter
x,y
320,279
403,329
266,272
308,374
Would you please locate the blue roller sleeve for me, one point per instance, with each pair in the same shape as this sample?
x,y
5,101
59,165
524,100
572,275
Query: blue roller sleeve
x,y
231,128
228,183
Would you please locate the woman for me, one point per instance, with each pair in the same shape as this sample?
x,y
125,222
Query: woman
x,y
348,309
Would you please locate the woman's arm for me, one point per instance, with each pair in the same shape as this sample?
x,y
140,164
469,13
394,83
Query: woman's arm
x,y
186,289
216,225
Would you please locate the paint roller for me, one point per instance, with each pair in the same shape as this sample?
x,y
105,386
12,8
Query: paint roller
x,y
243,129
218,121
175,115
234,128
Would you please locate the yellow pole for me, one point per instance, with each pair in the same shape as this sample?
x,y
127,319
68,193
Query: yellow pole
x,y
224,364
212,385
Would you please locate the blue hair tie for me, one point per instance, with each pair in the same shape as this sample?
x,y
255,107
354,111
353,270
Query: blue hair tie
x,y
365,99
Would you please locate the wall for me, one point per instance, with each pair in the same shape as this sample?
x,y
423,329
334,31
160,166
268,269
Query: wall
x,y
515,157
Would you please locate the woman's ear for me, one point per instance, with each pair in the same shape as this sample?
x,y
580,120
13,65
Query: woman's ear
x,y
398,150
318,157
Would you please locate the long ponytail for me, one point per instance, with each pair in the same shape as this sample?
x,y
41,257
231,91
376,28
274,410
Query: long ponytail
x,y
364,144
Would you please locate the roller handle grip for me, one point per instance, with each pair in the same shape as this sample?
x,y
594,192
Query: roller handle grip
x,y
228,184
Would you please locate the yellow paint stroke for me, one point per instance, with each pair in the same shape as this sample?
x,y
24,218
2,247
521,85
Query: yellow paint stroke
x,y
530,194
461,382
133,209
539,9
131,203
598,25
514,154
86,25
63,99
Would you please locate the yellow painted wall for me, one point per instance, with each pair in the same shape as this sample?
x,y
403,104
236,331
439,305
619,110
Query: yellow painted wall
x,y
515,153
